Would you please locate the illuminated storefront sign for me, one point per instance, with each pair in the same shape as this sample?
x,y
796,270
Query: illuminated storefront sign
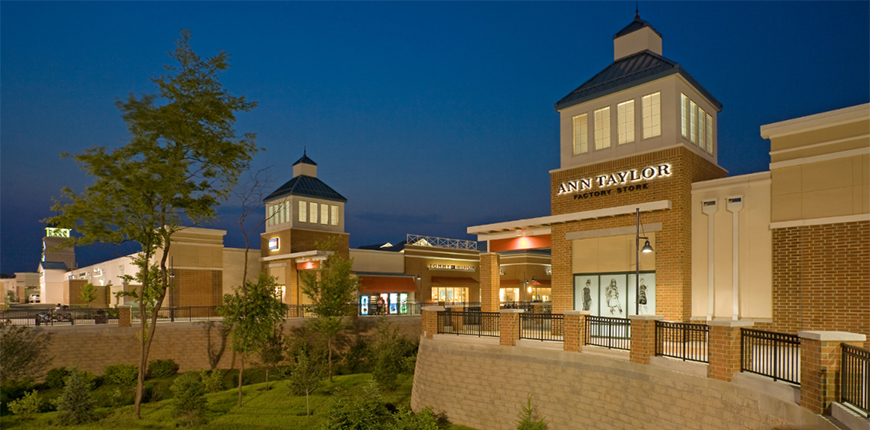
x,y
451,267
625,181
56,232
273,244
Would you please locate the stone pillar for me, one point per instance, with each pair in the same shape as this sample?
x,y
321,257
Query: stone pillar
x,y
125,316
456,319
643,337
575,330
490,282
723,348
509,326
430,320
820,366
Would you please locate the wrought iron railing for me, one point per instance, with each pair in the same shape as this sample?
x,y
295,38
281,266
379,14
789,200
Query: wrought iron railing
x,y
775,355
543,327
474,323
855,378
51,317
682,340
536,307
441,242
611,333
185,313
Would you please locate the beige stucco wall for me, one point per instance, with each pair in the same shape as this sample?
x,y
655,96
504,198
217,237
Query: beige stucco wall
x,y
233,267
369,260
754,249
829,188
611,254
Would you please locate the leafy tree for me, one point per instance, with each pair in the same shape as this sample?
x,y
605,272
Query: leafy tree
x,y
332,290
272,351
304,378
388,352
88,293
75,404
23,352
182,159
252,312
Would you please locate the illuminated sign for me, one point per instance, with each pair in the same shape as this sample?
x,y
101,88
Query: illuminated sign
x,y
56,232
451,267
273,244
624,181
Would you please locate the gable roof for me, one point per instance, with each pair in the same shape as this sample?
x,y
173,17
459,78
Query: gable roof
x,y
53,265
635,25
306,186
381,246
305,160
633,70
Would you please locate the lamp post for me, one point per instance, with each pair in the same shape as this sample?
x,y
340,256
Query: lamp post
x,y
171,292
646,249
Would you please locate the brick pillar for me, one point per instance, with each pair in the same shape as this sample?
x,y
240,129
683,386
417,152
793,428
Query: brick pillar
x,y
575,330
820,366
125,315
456,319
723,348
430,320
509,326
490,282
643,337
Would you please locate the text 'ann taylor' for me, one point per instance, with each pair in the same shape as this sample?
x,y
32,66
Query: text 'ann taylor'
x,y
615,179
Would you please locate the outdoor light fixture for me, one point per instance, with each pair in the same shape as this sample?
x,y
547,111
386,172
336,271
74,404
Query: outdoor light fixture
x,y
646,249
418,276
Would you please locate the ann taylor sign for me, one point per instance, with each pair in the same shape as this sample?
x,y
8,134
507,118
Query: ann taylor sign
x,y
604,185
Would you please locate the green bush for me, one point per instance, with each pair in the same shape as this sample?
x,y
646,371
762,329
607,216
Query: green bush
x,y
405,419
390,355
27,406
121,374
76,405
12,390
190,401
54,378
162,368
213,381
365,411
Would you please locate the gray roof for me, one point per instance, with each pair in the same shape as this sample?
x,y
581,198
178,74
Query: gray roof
x,y
306,186
54,265
635,25
305,160
627,72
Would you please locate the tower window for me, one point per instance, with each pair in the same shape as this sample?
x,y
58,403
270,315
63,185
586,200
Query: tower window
x,y
693,121
602,128
581,134
303,212
684,116
334,218
625,121
313,215
709,134
652,115
324,214
702,128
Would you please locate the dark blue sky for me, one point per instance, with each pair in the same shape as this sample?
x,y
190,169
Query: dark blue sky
x,y
428,117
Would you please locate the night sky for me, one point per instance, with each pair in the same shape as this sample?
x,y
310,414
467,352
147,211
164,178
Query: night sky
x,y
428,117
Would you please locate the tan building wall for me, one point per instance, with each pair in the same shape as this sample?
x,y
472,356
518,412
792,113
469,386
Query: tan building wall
x,y
754,252
429,261
369,260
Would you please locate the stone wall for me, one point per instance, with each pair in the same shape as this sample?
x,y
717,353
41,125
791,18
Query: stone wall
x,y
92,348
483,385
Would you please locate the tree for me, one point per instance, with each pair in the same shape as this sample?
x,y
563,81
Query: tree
x,y
272,351
252,312
88,293
304,377
190,402
527,419
333,291
182,159
75,405
23,351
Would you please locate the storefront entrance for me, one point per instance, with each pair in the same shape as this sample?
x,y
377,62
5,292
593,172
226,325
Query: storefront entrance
x,y
615,294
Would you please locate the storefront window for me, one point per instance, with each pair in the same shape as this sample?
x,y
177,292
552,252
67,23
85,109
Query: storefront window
x,y
509,295
449,294
615,294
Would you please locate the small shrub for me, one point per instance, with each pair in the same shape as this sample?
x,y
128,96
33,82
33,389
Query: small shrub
x,y
405,419
27,406
190,401
162,368
75,405
527,420
121,374
54,378
13,389
365,411
212,381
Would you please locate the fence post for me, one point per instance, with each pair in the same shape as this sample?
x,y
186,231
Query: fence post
x,y
430,320
643,337
125,316
820,366
509,326
723,348
575,330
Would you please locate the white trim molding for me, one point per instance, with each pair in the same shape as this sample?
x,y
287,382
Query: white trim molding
x,y
819,158
820,221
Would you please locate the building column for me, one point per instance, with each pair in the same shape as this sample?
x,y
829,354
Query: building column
x,y
430,320
490,282
723,348
509,326
125,316
575,330
820,366
643,337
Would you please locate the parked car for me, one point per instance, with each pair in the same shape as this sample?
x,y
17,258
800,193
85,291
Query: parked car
x,y
34,298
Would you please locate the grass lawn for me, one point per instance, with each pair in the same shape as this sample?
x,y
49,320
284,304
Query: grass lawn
x,y
273,409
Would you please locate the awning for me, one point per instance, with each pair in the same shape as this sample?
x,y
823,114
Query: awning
x,y
449,281
387,284
510,282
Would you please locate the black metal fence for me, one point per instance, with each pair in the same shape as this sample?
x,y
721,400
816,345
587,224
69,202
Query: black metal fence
x,y
473,323
611,333
682,340
52,317
529,307
771,354
184,313
855,378
543,327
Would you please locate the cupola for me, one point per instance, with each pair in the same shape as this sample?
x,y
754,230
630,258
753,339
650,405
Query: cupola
x,y
636,37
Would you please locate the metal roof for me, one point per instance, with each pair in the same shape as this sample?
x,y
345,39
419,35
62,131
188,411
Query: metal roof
x,y
305,160
627,72
635,25
54,265
306,186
